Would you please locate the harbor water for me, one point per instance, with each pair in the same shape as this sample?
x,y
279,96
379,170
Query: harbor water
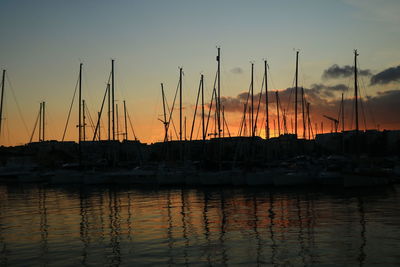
x,y
43,225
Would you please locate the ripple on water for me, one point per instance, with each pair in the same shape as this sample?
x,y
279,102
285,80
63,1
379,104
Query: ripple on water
x,y
42,225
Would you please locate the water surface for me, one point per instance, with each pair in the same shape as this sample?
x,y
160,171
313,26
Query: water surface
x,y
125,226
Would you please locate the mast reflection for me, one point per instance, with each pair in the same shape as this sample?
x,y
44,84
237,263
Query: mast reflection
x,y
83,226
271,228
43,226
363,224
115,228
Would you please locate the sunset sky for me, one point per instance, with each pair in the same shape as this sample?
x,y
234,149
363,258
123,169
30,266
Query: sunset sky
x,y
43,42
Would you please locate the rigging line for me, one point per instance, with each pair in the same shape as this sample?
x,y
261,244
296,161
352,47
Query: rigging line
x,y
244,112
209,110
70,109
101,110
34,127
174,127
270,79
352,116
284,117
363,113
17,104
198,130
242,122
212,97
339,112
173,105
258,107
195,111
172,120
290,95
130,123
262,125
368,107
7,125
227,128
90,118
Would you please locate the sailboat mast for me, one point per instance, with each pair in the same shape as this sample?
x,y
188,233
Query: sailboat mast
x,y
303,112
112,99
43,120
40,121
295,98
126,125
202,107
223,120
80,104
83,120
356,88
218,106
342,113
308,121
80,116
184,138
252,100
165,114
2,98
117,118
266,101
109,112
284,122
99,115
277,112
180,104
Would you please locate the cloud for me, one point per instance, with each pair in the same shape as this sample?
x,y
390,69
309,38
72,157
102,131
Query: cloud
x,y
386,76
237,70
379,109
338,87
328,90
335,71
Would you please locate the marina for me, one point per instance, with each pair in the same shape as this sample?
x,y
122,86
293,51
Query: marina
x,y
199,133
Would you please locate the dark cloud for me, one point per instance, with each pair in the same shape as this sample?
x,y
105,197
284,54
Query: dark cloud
x,y
237,70
380,109
327,90
313,95
386,76
337,88
335,71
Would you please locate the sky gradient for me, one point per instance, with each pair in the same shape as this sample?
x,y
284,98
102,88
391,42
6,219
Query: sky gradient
x,y
43,42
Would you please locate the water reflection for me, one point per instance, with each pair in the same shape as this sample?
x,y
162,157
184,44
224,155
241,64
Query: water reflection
x,y
271,216
207,226
363,223
42,211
